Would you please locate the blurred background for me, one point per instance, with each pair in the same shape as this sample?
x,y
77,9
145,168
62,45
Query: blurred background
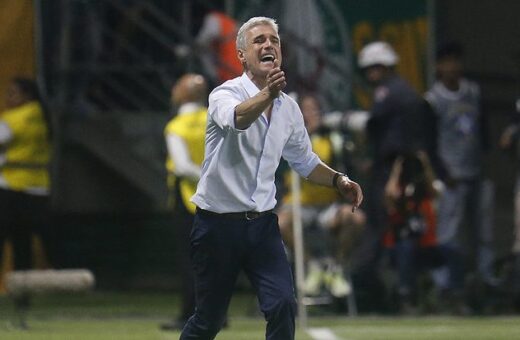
x,y
105,69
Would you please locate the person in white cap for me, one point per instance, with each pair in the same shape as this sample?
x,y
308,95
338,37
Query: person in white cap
x,y
395,129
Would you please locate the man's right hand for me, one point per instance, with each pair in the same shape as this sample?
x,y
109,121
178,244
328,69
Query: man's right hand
x,y
276,80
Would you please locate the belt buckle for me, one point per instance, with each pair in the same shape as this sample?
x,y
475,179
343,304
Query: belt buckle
x,y
254,214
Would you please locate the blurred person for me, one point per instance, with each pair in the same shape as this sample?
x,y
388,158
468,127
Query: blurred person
x,y
397,125
216,46
185,144
509,140
324,217
304,46
24,176
251,125
467,197
411,238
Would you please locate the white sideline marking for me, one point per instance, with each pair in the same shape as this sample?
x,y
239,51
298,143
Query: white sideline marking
x,y
322,334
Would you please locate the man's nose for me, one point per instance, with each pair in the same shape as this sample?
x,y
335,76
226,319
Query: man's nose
x,y
268,43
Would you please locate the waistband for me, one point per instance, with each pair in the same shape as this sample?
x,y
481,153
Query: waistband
x,y
244,215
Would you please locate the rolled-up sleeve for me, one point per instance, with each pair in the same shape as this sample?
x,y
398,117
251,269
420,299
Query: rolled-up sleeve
x,y
222,103
6,135
298,150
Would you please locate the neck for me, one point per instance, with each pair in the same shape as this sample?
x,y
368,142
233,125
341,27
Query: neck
x,y
384,77
451,84
259,81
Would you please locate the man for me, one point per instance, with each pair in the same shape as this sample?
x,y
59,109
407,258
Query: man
x,y
410,237
251,125
395,128
24,176
185,142
462,140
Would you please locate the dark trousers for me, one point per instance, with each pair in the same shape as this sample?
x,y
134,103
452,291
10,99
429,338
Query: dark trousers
x,y
220,248
368,253
184,223
410,259
21,215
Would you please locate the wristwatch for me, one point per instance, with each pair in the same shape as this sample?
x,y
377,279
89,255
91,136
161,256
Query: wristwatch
x,y
336,177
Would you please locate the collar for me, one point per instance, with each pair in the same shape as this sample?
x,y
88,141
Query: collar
x,y
187,108
453,95
250,87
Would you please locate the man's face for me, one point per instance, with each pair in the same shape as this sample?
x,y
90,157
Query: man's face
x,y
449,68
375,74
189,88
262,48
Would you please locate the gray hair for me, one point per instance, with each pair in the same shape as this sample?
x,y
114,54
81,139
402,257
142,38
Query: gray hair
x,y
255,21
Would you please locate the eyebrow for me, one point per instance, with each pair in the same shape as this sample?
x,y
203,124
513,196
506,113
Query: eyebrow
x,y
270,36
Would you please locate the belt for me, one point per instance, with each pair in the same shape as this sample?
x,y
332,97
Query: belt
x,y
244,215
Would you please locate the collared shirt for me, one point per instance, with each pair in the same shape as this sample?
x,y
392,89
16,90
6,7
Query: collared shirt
x,y
239,166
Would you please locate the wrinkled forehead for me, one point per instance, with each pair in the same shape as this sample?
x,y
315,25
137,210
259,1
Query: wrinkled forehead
x,y
261,30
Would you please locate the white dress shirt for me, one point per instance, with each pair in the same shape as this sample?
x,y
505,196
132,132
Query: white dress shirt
x,y
239,165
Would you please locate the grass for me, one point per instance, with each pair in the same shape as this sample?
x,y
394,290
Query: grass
x,y
137,316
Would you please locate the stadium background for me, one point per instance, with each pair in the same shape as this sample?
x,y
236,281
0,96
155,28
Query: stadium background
x,y
106,67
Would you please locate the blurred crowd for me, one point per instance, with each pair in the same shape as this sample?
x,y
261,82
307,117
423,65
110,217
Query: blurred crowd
x,y
423,240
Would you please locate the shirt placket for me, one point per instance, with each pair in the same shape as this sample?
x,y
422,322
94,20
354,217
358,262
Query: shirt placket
x,y
266,163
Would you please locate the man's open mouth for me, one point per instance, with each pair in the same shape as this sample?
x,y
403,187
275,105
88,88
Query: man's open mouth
x,y
267,58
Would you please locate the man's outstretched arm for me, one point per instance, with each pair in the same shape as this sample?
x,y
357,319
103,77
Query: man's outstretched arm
x,y
324,175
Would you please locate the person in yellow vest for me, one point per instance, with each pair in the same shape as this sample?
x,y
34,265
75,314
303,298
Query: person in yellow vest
x,y
325,218
24,176
185,143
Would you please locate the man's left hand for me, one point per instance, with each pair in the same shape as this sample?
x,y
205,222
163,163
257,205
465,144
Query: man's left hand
x,y
351,190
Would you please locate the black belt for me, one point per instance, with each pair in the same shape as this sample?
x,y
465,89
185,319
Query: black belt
x,y
244,215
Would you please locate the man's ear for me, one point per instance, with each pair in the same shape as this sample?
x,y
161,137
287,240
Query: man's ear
x,y
241,57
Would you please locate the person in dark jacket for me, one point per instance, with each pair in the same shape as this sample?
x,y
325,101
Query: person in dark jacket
x,y
396,126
